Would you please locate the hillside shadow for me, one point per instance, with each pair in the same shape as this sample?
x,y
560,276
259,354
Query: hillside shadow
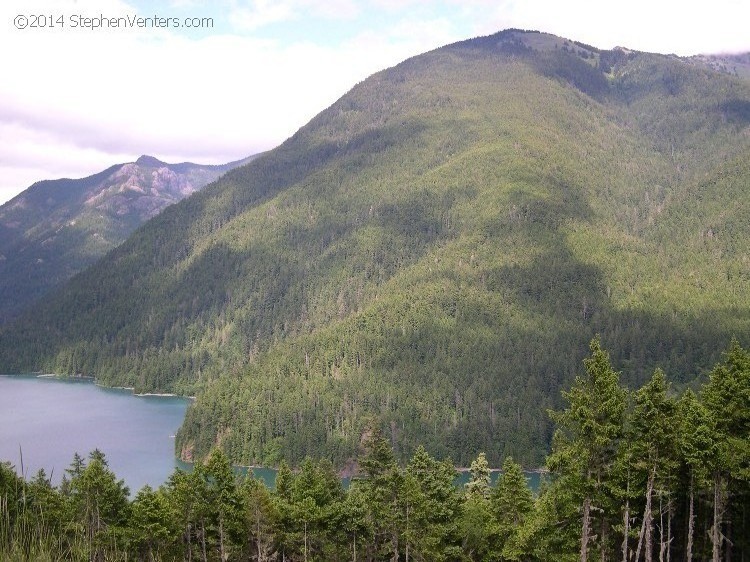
x,y
557,304
736,111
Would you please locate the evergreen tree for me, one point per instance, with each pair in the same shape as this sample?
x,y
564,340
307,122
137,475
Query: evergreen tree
x,y
479,529
653,439
149,527
698,451
284,480
382,489
355,522
551,532
260,516
589,435
727,398
101,505
479,483
224,502
511,501
432,508
184,497
286,524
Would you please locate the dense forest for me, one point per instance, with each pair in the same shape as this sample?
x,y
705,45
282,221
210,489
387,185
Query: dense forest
x,y
632,476
431,255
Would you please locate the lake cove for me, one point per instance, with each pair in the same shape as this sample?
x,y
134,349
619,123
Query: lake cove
x,y
49,419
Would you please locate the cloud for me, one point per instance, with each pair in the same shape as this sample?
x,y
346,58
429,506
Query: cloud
x,y
77,101
666,26
254,15
260,13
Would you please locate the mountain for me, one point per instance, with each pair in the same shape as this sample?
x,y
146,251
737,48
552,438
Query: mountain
x,y
56,228
432,254
735,64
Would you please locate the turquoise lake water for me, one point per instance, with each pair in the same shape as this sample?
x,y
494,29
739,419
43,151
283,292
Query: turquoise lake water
x,y
49,420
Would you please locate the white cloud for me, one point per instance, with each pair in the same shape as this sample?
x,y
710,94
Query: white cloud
x,y
666,26
76,101
260,13
256,14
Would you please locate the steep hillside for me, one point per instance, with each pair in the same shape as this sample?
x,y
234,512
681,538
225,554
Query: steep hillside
x,y
433,254
56,228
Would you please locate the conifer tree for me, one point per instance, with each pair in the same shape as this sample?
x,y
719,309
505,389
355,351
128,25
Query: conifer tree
x,y
698,451
382,489
589,435
479,483
260,516
101,505
727,398
653,441
149,529
223,499
511,501
432,507
184,493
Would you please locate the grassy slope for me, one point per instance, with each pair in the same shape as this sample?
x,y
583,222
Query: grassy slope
x,y
433,252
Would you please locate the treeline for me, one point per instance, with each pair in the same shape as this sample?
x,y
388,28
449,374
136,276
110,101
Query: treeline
x,y
633,476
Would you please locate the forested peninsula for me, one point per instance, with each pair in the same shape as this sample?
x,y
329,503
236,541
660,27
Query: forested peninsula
x,y
633,475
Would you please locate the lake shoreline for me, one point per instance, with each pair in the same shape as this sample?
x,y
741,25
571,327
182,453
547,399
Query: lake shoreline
x,y
348,471
87,378
50,418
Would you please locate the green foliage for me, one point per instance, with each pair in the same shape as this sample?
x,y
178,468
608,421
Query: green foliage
x,y
261,518
587,444
654,425
674,450
150,530
431,255
696,436
433,506
512,503
727,397
591,428
382,492
479,484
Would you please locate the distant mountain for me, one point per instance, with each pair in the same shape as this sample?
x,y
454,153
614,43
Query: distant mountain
x,y
56,228
735,64
432,254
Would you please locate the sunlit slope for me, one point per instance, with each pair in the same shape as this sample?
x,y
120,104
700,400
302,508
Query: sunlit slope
x,y
432,253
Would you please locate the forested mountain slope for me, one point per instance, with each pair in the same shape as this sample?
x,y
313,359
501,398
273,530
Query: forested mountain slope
x,y
432,253
56,228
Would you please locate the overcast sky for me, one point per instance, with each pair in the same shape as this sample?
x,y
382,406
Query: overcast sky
x,y
74,100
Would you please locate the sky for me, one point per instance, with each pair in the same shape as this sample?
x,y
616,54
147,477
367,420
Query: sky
x,y
85,84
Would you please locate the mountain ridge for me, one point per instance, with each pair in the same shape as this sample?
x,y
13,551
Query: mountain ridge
x,y
432,254
55,228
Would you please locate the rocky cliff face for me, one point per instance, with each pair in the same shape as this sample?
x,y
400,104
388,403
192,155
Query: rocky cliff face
x,y
142,189
56,228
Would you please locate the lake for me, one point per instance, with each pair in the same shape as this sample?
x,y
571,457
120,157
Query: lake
x,y
50,419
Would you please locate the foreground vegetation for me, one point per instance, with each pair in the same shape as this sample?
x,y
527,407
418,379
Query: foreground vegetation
x,y
633,476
